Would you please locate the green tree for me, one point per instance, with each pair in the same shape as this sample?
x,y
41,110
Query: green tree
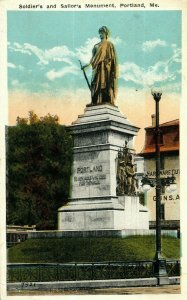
x,y
39,158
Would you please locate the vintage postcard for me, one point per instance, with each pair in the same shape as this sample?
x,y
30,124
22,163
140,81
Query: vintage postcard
x,y
92,161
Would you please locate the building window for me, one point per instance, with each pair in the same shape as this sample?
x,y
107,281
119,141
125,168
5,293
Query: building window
x,y
162,212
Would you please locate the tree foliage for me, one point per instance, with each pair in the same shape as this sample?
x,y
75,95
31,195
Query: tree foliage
x,y
39,157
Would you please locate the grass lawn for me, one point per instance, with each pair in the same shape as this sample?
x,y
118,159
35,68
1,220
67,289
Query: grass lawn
x,y
92,249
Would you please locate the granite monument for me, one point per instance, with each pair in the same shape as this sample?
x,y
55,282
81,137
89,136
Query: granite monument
x,y
103,194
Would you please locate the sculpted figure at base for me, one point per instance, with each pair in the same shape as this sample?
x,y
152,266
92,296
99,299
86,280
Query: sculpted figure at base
x,y
104,70
126,176
131,180
122,178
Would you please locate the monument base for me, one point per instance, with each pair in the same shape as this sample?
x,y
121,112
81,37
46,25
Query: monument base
x,y
107,213
91,214
99,136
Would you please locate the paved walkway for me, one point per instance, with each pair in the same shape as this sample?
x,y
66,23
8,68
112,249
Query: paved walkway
x,y
167,289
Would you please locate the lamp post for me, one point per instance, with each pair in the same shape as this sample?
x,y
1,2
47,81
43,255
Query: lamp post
x,y
159,262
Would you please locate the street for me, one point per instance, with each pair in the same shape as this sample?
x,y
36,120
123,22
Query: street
x,y
167,289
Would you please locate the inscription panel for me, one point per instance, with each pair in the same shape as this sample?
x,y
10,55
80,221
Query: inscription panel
x,y
89,220
88,157
91,176
94,138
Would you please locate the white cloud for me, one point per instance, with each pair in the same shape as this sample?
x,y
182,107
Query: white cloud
x,y
162,71
129,71
13,66
15,82
84,53
157,73
176,57
149,46
37,52
116,40
52,74
18,48
61,53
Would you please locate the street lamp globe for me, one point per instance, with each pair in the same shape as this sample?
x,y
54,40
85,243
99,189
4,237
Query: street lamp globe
x,y
146,187
168,189
173,187
156,93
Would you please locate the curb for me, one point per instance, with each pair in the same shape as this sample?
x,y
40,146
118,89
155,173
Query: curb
x,y
54,285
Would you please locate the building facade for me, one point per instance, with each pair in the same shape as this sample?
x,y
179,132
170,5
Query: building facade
x,y
169,160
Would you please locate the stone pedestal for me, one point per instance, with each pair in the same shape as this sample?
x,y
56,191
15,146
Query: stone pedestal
x,y
98,135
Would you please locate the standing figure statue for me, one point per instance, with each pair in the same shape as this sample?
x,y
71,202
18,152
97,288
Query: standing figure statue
x,y
131,179
104,70
121,178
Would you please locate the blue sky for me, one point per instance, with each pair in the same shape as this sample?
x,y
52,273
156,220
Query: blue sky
x,y
44,48
44,73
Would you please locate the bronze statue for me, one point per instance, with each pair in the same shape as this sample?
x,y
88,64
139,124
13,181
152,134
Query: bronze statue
x,y
126,176
122,178
131,180
104,70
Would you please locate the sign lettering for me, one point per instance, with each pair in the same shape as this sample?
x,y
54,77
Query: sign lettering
x,y
168,197
90,175
164,172
89,169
